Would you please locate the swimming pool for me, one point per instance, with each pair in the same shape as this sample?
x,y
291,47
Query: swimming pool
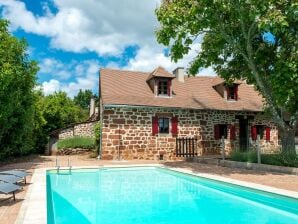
x,y
150,195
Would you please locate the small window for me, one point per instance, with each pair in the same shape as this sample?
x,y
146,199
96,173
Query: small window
x,y
231,95
163,87
220,130
260,131
223,130
232,92
164,125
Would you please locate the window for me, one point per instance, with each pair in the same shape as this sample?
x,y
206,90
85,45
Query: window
x,y
232,92
260,130
220,130
164,125
161,125
163,87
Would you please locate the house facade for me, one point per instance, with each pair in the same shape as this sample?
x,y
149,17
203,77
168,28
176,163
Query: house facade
x,y
143,114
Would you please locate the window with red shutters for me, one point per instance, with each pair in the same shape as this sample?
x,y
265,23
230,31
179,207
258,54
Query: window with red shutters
x,y
267,134
253,133
232,132
174,126
154,126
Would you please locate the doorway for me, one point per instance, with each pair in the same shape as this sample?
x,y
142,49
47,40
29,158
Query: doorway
x,y
243,134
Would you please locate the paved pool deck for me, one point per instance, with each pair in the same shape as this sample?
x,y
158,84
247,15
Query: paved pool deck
x,y
30,206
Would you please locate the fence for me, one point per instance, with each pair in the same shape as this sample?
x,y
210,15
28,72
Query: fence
x,y
186,147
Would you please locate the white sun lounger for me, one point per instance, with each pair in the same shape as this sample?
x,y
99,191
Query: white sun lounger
x,y
17,173
7,188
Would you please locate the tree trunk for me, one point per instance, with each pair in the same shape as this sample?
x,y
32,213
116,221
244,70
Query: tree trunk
x,y
288,140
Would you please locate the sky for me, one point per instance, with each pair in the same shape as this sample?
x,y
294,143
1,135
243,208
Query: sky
x,y
72,39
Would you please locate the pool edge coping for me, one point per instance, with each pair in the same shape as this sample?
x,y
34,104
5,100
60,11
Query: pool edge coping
x,y
37,199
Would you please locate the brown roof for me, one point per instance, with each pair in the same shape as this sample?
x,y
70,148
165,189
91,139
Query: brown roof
x,y
160,72
218,80
120,87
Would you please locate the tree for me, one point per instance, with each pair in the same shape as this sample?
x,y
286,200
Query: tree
x,y
17,80
252,40
83,98
59,110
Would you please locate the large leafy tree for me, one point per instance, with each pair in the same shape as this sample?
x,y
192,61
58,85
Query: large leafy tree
x,y
252,40
60,110
83,97
17,80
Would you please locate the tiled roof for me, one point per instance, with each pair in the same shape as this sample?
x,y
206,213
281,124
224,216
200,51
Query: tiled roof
x,y
120,87
160,72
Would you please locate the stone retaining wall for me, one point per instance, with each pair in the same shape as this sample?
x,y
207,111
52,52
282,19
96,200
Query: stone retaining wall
x,y
127,132
82,129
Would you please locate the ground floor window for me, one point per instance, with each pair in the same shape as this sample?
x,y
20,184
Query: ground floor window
x,y
220,130
164,125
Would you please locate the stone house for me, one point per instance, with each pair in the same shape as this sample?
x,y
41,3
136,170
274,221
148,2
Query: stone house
x,y
144,113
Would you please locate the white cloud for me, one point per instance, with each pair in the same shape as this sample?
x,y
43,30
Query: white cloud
x,y
148,59
105,27
85,77
51,86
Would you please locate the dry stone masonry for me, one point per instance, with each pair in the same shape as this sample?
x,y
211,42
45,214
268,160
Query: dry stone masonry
x,y
127,132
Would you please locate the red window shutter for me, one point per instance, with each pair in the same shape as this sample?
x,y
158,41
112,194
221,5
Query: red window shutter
x,y
154,126
169,88
236,92
254,133
232,132
216,132
174,126
267,134
228,92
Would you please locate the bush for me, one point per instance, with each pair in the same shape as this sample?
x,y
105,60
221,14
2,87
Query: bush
x,y
278,159
77,142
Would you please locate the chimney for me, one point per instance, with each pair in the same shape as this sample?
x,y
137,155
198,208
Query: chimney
x,y
92,107
179,73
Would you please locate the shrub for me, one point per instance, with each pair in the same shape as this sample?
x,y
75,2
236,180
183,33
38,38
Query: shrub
x,y
278,159
77,142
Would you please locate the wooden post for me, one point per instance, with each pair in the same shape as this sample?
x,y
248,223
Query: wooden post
x,y
258,149
223,148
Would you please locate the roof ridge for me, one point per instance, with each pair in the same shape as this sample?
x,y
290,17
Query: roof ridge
x,y
123,70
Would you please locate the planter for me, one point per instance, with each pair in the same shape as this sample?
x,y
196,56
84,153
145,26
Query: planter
x,y
259,167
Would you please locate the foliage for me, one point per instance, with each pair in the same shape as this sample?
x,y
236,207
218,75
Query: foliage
x,y
97,133
285,158
17,80
82,99
96,130
251,40
60,110
77,142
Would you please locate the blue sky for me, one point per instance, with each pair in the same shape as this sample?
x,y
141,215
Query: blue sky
x,y
73,39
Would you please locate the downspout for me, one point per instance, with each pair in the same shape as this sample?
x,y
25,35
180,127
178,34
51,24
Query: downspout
x,y
100,138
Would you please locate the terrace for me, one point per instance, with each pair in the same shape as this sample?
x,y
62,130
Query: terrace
x,y
19,211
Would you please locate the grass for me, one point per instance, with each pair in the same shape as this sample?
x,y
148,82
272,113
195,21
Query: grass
x,y
288,159
77,142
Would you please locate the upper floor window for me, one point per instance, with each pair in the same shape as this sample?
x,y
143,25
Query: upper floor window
x,y
232,92
162,87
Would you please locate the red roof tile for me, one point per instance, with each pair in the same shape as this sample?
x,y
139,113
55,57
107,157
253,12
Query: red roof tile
x,y
120,87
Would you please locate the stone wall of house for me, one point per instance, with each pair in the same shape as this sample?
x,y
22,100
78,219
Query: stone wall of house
x,y
82,129
127,132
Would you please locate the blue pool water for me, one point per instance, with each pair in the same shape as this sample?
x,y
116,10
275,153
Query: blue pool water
x,y
158,196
